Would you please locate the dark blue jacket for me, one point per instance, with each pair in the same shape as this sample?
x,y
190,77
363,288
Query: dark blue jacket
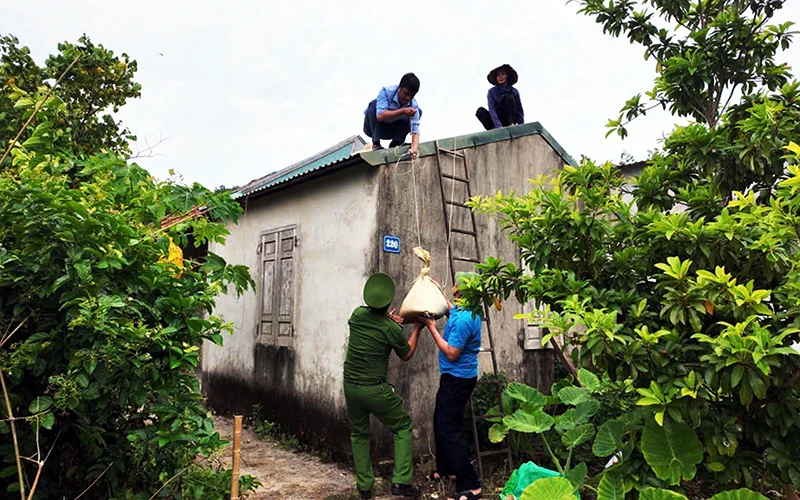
x,y
494,97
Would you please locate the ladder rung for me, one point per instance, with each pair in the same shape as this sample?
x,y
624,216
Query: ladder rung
x,y
493,452
467,259
456,178
484,417
463,231
454,153
456,203
486,349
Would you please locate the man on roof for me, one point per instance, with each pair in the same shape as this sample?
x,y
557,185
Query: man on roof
x,y
505,106
394,114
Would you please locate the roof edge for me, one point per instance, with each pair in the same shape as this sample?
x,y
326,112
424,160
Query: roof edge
x,y
384,156
350,161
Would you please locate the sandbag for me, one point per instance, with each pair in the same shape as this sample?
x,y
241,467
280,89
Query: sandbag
x,y
424,298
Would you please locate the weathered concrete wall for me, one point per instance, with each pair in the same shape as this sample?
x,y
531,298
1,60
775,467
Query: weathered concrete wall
x,y
341,219
497,166
299,386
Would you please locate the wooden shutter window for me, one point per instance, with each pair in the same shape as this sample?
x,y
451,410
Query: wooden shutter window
x,y
276,321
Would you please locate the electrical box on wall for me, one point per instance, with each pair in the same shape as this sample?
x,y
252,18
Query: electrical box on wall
x,y
533,338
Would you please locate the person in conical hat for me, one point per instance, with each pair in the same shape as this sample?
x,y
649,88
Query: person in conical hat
x,y
459,346
374,334
505,105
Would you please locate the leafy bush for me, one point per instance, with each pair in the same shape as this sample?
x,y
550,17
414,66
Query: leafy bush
x,y
683,282
638,455
99,333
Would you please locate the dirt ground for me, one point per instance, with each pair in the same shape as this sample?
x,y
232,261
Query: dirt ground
x,y
285,475
288,475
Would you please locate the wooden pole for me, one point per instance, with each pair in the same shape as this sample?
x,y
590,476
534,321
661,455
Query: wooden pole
x,y
237,437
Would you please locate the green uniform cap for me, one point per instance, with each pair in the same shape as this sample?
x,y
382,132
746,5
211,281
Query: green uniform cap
x,y
379,291
461,277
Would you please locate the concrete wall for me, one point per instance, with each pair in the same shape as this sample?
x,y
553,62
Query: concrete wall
x,y
341,219
298,386
496,166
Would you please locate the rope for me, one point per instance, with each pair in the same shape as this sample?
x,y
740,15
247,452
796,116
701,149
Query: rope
x,y
416,204
414,164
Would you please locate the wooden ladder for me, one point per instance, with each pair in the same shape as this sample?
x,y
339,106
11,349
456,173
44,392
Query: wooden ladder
x,y
472,259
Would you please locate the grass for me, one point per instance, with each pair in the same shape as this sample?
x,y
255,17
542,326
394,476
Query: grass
x,y
270,431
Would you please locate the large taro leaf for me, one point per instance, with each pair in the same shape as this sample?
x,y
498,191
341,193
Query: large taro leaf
x,y
673,451
609,438
577,436
577,475
577,416
588,379
742,494
574,395
526,394
659,494
611,487
550,488
522,421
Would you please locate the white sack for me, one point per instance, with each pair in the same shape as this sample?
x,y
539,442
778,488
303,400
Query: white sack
x,y
424,298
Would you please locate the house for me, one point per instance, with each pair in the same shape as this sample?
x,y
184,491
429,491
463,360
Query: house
x,y
313,233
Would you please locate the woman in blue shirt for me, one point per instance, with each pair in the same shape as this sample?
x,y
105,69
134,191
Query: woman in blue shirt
x,y
458,364
505,106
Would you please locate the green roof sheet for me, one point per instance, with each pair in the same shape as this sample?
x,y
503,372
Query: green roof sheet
x,y
384,156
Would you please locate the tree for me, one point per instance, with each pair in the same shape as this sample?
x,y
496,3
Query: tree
x,y
690,291
98,82
100,330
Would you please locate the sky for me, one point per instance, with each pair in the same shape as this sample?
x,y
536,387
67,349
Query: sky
x,y
234,90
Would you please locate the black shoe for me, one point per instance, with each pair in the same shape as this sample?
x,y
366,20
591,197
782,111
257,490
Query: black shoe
x,y
365,495
405,491
396,143
376,146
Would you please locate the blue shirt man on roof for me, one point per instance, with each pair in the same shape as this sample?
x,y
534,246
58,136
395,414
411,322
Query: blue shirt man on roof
x,y
394,114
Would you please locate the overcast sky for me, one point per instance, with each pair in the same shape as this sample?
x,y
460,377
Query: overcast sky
x,y
244,88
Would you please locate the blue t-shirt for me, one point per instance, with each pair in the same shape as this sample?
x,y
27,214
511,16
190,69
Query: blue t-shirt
x,y
463,331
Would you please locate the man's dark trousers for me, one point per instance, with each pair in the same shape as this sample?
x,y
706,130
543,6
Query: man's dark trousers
x,y
396,130
506,111
452,452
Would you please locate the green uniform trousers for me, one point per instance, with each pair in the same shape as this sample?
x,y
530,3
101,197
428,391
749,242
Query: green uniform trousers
x,y
379,400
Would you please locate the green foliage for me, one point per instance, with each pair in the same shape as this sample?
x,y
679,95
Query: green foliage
x,y
709,51
555,488
682,284
100,333
672,450
566,425
99,82
611,487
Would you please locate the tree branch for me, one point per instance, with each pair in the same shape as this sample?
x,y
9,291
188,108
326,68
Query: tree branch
x,y
93,482
14,437
37,108
7,337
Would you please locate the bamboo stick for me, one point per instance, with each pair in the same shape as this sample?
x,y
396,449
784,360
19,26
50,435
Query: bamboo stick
x,y
237,438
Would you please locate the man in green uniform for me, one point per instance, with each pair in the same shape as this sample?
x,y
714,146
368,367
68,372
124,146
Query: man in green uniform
x,y
374,334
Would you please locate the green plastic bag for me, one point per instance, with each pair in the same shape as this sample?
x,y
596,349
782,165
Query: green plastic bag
x,y
523,477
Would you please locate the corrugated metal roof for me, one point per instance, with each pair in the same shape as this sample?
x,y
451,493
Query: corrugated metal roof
x,y
343,154
323,159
